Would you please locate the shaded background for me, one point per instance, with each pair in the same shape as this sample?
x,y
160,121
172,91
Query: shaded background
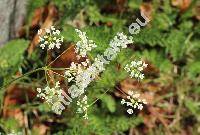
x,y
170,44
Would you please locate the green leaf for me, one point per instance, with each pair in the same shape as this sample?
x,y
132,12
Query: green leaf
x,y
11,55
134,4
193,106
193,69
109,102
150,37
176,44
158,59
95,16
10,125
197,90
162,21
102,125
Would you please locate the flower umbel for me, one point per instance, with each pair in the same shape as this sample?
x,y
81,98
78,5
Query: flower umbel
x,y
134,102
135,69
84,45
83,106
75,69
51,95
51,38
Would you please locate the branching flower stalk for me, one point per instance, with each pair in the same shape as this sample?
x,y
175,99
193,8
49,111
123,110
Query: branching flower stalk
x,y
82,74
85,72
134,101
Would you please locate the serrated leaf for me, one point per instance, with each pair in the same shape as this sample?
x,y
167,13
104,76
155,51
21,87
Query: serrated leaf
x,y
175,44
158,59
109,101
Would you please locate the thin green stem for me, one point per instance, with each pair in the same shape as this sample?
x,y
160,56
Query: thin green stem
x,y
46,77
58,74
58,68
98,98
22,76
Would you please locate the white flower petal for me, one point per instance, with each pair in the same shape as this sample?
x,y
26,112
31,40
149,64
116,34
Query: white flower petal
x,y
130,111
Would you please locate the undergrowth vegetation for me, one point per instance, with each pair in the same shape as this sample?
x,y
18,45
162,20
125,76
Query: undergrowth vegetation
x,y
169,44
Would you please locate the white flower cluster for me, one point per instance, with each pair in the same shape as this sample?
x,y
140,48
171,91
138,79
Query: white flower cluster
x,y
75,69
84,45
82,74
85,78
54,96
51,39
135,69
49,94
83,107
134,102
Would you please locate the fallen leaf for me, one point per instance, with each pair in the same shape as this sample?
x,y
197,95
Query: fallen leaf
x,y
37,17
197,11
65,59
40,129
154,116
147,10
16,95
51,16
181,4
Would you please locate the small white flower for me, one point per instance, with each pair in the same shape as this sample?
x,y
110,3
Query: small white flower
x,y
47,30
84,98
70,79
85,116
140,106
67,73
140,68
136,75
53,28
129,104
144,101
123,101
39,31
136,95
42,46
39,90
141,76
128,97
130,93
139,62
130,111
133,64
145,65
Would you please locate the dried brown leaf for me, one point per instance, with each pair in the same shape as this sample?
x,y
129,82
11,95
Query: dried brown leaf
x,y
15,95
51,16
41,129
147,10
181,4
